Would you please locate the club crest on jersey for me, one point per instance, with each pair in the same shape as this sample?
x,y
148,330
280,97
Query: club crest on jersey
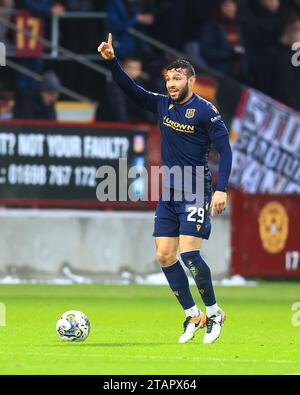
x,y
190,113
170,107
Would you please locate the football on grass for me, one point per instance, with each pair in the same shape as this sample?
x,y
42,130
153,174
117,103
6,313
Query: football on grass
x,y
73,326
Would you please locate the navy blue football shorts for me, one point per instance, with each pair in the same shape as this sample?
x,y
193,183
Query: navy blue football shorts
x,y
174,218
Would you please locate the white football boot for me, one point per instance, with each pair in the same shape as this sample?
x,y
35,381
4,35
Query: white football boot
x,y
191,325
213,327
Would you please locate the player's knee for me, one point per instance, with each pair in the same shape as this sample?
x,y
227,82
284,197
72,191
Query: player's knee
x,y
165,258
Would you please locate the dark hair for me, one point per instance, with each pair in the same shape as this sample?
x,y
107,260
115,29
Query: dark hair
x,y
183,64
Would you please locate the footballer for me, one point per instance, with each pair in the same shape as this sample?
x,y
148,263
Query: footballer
x,y
188,125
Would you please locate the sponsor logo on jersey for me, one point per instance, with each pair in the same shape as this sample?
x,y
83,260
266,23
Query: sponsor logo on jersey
x,y
190,113
215,119
178,126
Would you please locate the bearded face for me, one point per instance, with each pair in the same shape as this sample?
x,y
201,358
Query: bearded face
x,y
178,85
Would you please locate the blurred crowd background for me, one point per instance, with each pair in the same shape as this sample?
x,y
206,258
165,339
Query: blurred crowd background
x,y
249,41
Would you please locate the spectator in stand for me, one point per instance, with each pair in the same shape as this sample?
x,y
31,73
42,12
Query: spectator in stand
x,y
278,76
44,9
123,14
147,7
39,104
41,7
261,30
198,13
290,11
170,22
116,106
221,41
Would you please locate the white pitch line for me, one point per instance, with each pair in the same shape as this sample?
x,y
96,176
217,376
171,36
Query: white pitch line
x,y
73,214
154,357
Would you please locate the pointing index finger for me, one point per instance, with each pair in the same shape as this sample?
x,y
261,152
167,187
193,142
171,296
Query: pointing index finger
x,y
109,40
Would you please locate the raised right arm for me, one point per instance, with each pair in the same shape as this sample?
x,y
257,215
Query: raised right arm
x,y
141,96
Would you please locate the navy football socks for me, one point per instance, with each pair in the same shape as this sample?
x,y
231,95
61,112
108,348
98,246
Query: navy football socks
x,y
201,274
179,284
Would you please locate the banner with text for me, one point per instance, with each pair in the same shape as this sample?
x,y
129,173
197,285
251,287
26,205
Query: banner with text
x,y
266,146
56,165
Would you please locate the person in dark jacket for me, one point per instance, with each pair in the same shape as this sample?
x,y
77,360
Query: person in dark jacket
x,y
279,68
260,30
39,104
123,14
41,7
221,41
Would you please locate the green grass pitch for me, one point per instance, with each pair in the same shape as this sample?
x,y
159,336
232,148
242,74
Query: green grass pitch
x,y
134,330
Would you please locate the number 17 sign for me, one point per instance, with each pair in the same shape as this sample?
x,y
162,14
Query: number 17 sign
x,y
27,45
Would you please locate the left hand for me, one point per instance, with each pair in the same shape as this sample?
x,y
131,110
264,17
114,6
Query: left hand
x,y
218,202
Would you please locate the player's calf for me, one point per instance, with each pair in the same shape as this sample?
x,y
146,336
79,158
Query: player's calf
x,y
201,274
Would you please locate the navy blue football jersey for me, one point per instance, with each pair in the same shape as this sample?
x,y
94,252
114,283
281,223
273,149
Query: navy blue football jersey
x,y
187,130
